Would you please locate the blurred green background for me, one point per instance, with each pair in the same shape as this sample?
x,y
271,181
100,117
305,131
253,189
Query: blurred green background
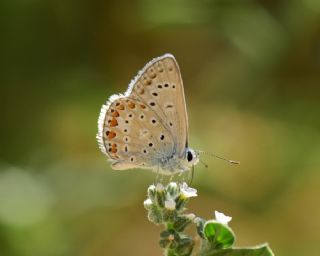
x,y
251,72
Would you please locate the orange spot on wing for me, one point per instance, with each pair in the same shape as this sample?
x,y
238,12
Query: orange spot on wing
x,y
113,122
115,113
147,82
120,107
114,148
141,91
110,134
142,106
131,104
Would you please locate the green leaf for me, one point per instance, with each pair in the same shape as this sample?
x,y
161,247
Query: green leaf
x,y
181,222
220,236
260,250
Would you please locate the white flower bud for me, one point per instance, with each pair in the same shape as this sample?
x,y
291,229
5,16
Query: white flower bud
x,y
147,203
170,204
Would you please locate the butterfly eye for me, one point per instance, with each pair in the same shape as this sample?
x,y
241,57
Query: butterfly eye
x,y
189,156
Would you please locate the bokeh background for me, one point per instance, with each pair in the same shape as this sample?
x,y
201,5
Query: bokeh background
x,y
251,72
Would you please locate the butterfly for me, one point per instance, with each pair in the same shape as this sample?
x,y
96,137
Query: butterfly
x,y
147,126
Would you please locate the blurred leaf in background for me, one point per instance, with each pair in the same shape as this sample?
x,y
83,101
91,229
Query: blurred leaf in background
x,y
251,71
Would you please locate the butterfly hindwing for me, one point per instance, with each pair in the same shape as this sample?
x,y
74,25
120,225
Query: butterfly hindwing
x,y
133,135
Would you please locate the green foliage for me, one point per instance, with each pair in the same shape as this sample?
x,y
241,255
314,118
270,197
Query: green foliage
x,y
262,250
165,206
219,235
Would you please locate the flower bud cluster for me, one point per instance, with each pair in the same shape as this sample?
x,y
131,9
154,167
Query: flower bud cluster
x,y
165,205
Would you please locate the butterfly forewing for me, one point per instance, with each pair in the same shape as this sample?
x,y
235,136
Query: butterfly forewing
x,y
160,86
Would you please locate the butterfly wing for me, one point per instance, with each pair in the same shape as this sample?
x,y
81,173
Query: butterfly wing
x,y
149,122
159,85
132,135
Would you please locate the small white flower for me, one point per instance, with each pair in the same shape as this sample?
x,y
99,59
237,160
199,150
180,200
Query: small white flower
x,y
187,191
170,204
223,219
147,203
152,187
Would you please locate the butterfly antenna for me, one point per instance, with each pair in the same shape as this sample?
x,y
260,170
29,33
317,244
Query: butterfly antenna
x,y
204,164
219,157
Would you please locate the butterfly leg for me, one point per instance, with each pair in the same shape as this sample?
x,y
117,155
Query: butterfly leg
x,y
159,177
189,176
192,175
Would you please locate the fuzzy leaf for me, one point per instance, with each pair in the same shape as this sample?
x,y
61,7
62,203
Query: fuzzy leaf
x,y
261,250
219,235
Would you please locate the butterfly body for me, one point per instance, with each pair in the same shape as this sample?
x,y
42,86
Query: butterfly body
x,y
146,127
